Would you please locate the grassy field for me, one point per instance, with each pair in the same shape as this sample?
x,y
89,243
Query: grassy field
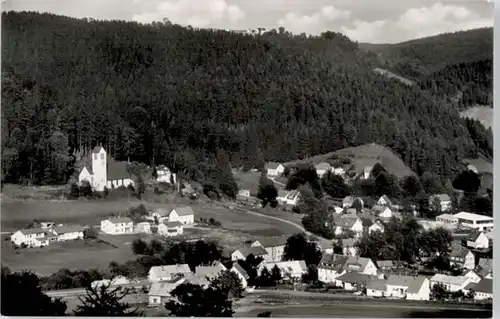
x,y
483,114
365,155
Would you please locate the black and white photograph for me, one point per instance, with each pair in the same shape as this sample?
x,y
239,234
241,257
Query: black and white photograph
x,y
247,158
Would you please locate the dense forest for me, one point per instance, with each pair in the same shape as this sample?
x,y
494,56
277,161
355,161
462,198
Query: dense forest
x,y
167,94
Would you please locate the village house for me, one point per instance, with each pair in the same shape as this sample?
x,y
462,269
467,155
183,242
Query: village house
x,y
185,215
322,169
47,225
349,247
483,289
168,272
348,223
244,193
159,293
71,232
274,169
32,237
376,288
100,173
475,221
292,269
159,215
409,287
164,175
338,171
117,226
170,229
462,257
384,201
354,281
377,226
477,240
387,264
444,201
332,266
274,246
241,273
382,211
143,227
292,198
485,268
450,283
447,219
281,198
244,252
367,172
474,278
210,272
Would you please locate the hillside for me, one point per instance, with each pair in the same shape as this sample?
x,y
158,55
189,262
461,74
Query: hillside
x,y
198,99
483,114
362,156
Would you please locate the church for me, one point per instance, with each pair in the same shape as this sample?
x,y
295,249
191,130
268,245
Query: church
x,y
100,173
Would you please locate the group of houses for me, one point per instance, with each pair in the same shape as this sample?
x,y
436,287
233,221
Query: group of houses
x,y
170,222
47,233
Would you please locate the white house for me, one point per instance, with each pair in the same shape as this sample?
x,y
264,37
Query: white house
x,y
292,197
482,290
168,272
117,226
170,229
143,227
244,252
244,193
475,221
354,280
274,169
159,293
164,175
409,287
100,174
292,269
211,271
377,226
478,240
33,237
346,223
384,201
462,257
47,225
64,233
159,214
443,199
332,266
447,219
348,201
338,171
474,278
274,246
241,273
281,198
382,211
450,283
322,169
185,215
367,172
376,288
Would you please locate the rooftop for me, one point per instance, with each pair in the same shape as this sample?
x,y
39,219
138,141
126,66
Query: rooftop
x,y
164,289
471,216
451,280
446,216
67,229
184,211
272,165
118,220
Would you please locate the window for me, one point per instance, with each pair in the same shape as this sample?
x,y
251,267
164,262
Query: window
x,y
95,156
102,156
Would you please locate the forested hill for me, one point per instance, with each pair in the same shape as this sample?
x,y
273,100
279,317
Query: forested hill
x,y
158,92
458,66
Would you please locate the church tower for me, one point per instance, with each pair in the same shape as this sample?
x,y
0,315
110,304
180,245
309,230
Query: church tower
x,y
99,168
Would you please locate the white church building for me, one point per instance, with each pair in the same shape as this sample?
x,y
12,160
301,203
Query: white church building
x,y
100,173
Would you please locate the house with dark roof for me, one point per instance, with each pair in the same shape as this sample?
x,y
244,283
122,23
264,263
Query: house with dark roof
x,y
484,268
384,200
444,201
477,240
483,290
102,173
184,215
117,226
382,211
170,229
332,266
349,247
241,273
355,280
244,252
274,169
462,257
274,246
409,287
376,288
348,201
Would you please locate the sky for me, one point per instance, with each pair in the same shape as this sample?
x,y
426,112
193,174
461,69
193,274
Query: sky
x,y
374,21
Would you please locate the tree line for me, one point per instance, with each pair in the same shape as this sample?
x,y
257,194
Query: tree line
x,y
202,101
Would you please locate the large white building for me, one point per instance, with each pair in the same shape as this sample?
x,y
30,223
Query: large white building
x,y
100,174
117,226
475,221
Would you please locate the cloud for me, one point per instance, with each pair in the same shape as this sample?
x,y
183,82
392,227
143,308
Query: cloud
x,y
297,23
416,23
207,13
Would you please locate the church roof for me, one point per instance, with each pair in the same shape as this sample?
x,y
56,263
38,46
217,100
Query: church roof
x,y
97,149
117,170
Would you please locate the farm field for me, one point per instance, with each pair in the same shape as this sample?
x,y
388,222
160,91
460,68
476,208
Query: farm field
x,y
365,155
483,114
